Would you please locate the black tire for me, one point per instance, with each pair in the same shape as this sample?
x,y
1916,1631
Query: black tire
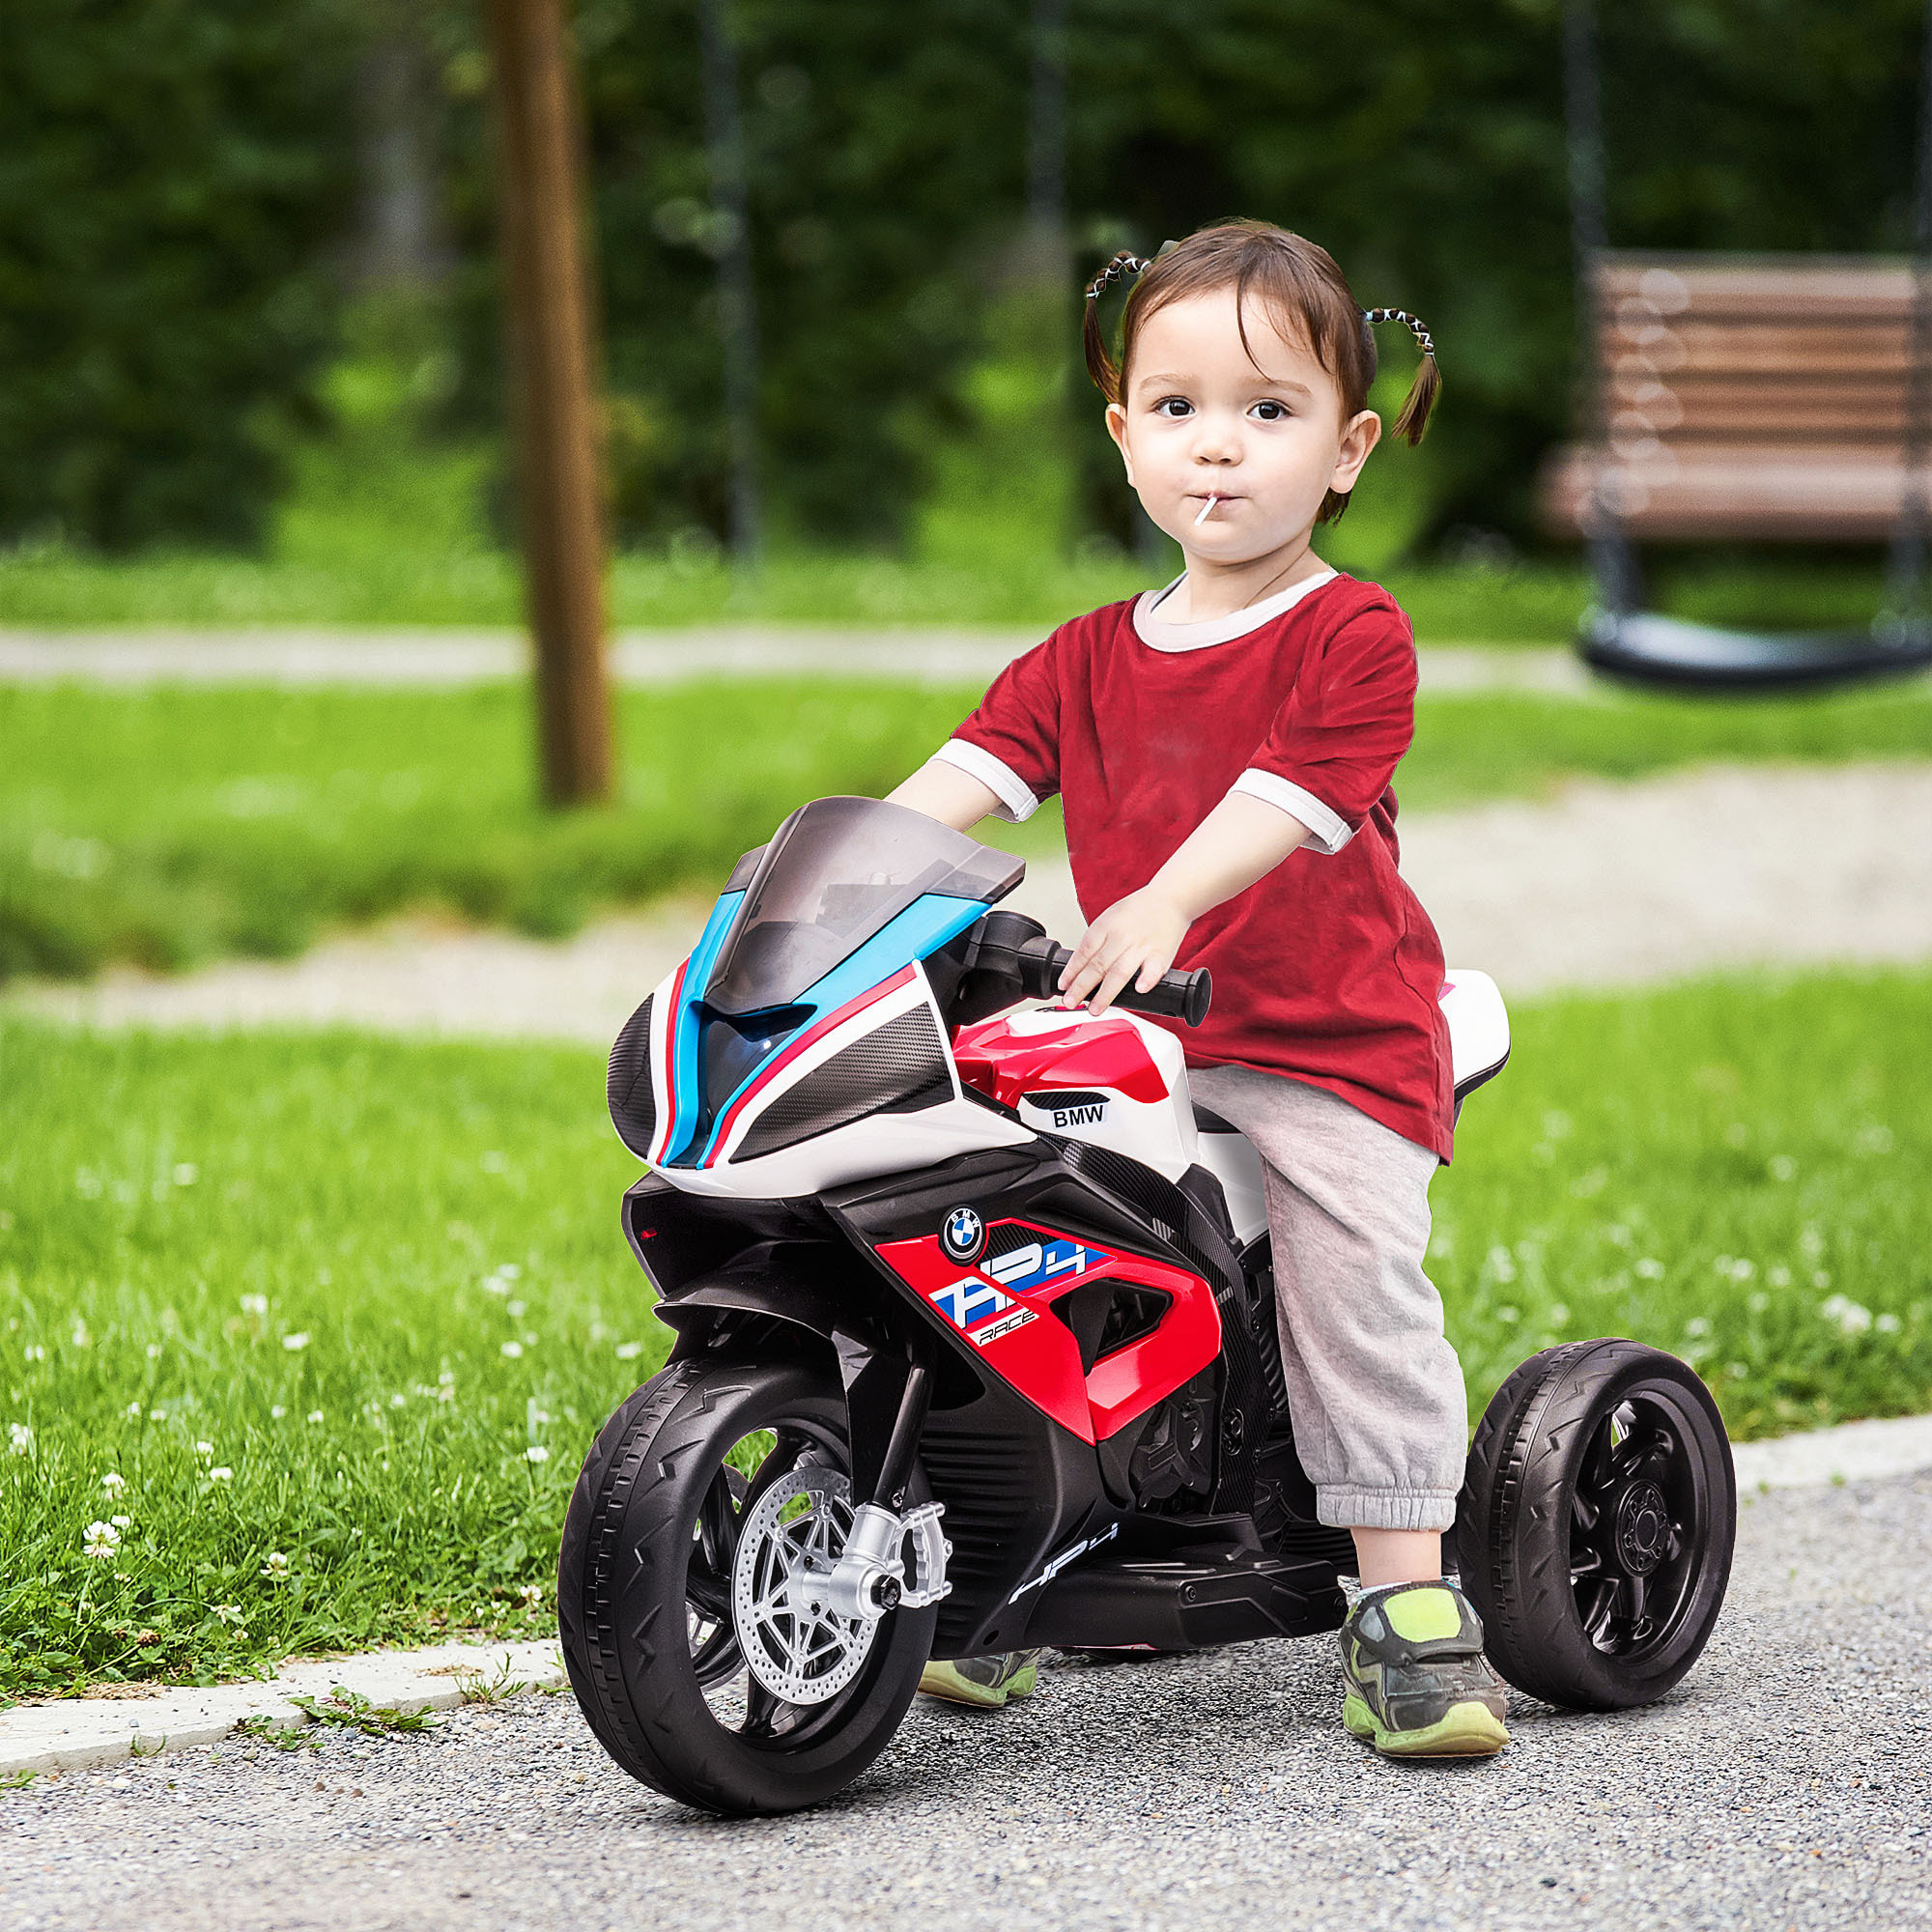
x,y
637,1566
1595,1522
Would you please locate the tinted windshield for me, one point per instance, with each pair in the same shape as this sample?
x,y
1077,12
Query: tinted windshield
x,y
836,871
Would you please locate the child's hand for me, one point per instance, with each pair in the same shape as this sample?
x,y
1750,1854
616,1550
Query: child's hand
x,y
1136,938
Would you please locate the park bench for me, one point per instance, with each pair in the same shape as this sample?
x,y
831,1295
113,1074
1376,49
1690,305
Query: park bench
x,y
1753,398
1769,398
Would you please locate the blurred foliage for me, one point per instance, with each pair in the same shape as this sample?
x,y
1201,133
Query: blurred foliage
x,y
178,176
1425,147
171,176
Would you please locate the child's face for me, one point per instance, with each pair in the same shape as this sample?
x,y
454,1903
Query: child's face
x,y
1200,419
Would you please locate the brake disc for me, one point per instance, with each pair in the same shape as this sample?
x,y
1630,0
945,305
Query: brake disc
x,y
795,1644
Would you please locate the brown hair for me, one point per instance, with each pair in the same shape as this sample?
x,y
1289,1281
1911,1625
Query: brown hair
x,y
1303,291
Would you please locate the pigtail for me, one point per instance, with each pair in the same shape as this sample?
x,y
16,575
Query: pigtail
x,y
1101,364
1412,421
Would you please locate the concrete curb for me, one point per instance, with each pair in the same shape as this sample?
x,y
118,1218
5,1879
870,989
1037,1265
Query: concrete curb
x,y
1854,1452
77,1734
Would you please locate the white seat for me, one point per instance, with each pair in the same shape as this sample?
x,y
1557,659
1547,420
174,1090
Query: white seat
x,y
1479,1028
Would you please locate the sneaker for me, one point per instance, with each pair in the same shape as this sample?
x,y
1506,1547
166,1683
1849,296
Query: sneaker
x,y
986,1682
1417,1682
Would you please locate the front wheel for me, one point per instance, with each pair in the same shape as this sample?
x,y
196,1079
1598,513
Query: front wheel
x,y
700,1667
1595,1523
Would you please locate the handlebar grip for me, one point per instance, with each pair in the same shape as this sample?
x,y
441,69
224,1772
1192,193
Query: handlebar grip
x,y
1181,996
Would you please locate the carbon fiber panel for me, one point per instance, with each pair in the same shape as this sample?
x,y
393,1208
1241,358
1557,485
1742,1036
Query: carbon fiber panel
x,y
899,1068
633,1111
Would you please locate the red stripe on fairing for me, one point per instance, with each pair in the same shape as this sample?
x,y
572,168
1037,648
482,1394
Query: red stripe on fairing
x,y
661,1140
764,1080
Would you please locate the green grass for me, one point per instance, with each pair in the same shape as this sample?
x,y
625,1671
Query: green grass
x,y
329,583
177,824
309,1253
1732,1170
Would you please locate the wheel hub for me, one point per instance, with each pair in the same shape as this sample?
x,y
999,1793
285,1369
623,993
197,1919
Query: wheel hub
x,y
794,1641
1644,1528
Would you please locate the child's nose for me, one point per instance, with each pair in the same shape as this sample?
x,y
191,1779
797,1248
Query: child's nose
x,y
1217,442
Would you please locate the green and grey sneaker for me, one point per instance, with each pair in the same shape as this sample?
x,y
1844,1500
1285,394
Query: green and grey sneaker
x,y
986,1682
1418,1684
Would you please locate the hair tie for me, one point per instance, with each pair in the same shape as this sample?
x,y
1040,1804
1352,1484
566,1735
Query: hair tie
x,y
1416,329
1122,264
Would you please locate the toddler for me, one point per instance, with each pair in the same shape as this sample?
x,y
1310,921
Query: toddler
x,y
1223,749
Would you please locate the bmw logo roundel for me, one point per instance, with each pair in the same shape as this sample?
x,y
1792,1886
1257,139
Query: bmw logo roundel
x,y
962,1234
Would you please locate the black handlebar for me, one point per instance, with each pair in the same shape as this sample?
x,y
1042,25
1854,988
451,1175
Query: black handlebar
x,y
1181,996
1007,957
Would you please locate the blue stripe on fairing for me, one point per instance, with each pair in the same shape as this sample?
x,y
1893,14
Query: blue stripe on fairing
x,y
681,1044
922,927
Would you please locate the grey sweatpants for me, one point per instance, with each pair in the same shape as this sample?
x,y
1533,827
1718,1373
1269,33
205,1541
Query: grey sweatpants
x,y
1381,1413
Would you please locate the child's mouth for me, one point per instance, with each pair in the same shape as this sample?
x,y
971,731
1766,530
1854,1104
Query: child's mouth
x,y
1208,504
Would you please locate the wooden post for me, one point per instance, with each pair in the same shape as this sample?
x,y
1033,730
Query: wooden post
x,y
559,483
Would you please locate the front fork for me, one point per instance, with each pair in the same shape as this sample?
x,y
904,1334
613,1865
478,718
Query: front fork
x,y
870,1575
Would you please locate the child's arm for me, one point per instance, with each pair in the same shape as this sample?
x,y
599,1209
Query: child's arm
x,y
945,792
1242,840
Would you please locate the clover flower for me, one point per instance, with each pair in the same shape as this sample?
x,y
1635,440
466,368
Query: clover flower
x,y
221,1475
101,1542
513,1350
315,1415
113,1483
121,1521
536,1453
628,1351
132,1412
277,1568
295,1343
1848,1316
254,1304
19,1438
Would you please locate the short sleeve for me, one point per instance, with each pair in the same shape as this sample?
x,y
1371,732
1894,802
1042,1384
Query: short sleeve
x,y
1337,738
1010,742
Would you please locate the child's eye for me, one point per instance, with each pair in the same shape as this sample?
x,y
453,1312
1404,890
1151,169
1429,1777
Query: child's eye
x,y
1270,412
1173,408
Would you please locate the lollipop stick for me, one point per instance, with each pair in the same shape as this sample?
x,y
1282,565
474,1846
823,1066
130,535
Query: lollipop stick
x,y
1213,499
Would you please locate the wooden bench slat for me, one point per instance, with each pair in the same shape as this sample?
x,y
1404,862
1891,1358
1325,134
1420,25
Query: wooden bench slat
x,y
1795,287
1805,494
1748,397
1703,348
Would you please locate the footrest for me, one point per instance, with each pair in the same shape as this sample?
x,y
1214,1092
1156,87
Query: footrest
x,y
1190,1602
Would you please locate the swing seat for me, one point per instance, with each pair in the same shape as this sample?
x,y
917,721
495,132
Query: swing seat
x,y
1640,648
1763,399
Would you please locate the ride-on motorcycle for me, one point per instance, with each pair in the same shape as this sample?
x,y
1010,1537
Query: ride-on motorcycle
x,y
975,1349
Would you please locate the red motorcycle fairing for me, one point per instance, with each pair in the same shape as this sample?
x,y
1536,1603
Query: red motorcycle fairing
x,y
1004,1306
1004,1063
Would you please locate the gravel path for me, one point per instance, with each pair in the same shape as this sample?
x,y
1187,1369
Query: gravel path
x,y
1604,885
1787,1783
431,657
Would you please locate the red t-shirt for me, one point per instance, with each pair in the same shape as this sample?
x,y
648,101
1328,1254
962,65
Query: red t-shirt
x,y
1326,969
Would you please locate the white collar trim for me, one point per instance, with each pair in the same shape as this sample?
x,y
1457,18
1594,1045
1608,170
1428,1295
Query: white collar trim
x,y
1164,635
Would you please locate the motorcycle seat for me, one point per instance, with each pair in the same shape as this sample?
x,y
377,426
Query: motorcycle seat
x,y
1479,1029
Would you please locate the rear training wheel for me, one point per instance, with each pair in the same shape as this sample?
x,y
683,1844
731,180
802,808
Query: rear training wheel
x,y
690,1627
1595,1523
